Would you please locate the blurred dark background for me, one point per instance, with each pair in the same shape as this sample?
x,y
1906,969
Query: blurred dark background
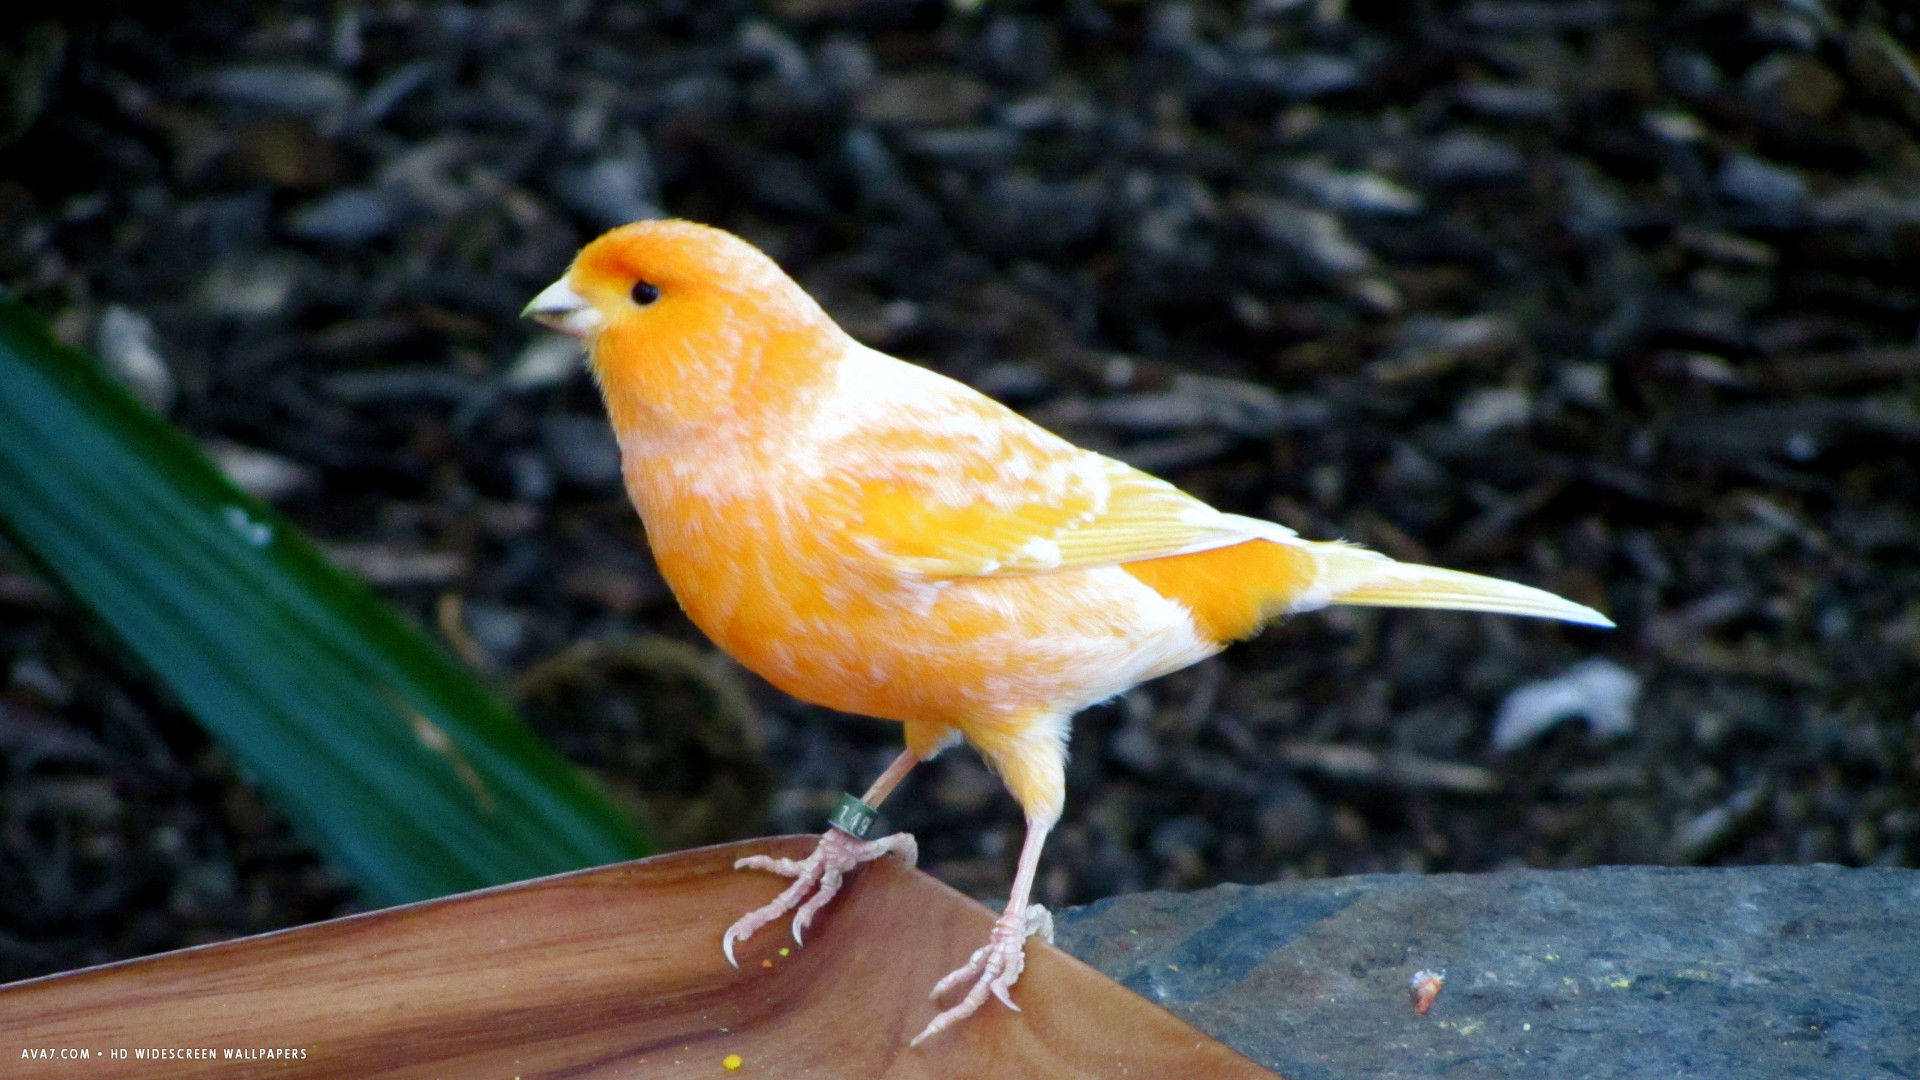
x,y
1619,299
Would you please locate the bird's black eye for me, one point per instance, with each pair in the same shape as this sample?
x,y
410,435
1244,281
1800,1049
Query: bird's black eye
x,y
644,294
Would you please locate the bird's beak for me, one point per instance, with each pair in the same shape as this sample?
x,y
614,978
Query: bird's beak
x,y
562,309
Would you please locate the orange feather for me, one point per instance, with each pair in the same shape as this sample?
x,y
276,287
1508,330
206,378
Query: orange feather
x,y
1232,591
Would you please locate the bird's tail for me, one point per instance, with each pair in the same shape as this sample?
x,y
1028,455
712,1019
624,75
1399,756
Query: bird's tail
x,y
1232,591
1352,575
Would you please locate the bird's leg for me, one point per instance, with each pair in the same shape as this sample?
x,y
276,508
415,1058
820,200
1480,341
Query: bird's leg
x,y
997,965
817,877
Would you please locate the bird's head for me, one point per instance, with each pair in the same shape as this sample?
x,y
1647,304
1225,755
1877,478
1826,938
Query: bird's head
x,y
681,319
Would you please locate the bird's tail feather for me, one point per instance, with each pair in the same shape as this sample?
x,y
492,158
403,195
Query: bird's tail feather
x,y
1356,576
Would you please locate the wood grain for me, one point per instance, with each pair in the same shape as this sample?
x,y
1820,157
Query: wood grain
x,y
608,973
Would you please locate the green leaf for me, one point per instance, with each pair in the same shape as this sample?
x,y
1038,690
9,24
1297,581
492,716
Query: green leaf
x,y
393,760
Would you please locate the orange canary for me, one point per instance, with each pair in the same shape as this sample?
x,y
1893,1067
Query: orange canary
x,y
879,539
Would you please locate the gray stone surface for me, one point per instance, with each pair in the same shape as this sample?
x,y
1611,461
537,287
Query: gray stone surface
x,y
1629,972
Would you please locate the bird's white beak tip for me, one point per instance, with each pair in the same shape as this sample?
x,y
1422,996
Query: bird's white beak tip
x,y
558,307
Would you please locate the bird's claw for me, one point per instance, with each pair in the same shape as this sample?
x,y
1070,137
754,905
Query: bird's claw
x,y
993,968
816,879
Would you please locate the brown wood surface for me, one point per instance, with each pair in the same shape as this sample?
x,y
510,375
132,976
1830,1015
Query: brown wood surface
x,y
613,972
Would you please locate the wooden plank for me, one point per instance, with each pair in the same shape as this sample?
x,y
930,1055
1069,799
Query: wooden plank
x,y
609,973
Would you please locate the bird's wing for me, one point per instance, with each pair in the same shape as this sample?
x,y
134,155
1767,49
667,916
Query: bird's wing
x,y
948,483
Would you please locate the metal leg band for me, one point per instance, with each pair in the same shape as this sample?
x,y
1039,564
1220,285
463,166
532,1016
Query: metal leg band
x,y
853,816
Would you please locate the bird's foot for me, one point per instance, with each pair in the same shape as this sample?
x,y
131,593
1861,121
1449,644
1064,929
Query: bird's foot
x,y
994,968
816,879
